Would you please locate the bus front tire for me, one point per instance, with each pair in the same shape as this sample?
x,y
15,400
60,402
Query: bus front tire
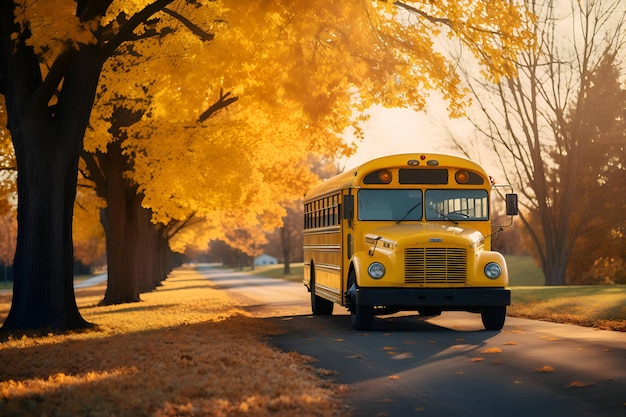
x,y
494,317
362,317
320,306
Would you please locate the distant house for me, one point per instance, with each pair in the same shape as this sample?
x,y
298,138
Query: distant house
x,y
265,260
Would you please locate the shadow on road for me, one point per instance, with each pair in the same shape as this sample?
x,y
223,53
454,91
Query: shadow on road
x,y
393,345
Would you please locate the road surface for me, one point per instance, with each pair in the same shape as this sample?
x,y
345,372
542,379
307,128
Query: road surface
x,y
449,365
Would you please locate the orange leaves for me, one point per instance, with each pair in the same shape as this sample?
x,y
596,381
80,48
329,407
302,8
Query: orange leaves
x,y
580,384
491,350
186,352
546,369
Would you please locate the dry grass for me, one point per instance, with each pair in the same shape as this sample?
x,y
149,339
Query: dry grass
x,y
185,350
603,307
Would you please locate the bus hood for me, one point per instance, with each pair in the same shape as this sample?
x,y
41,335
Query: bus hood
x,y
410,235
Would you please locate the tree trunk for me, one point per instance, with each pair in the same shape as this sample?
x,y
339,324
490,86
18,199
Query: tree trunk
x,y
47,140
121,225
165,256
147,253
136,253
555,267
43,291
286,244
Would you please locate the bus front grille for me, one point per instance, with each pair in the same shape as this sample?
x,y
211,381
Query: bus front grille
x,y
435,266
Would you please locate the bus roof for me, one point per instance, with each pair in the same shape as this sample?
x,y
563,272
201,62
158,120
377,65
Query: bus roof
x,y
354,176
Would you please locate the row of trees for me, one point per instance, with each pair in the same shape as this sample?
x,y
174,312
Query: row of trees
x,y
557,126
191,118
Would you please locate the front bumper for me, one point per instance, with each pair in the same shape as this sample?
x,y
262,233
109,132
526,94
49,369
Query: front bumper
x,y
446,299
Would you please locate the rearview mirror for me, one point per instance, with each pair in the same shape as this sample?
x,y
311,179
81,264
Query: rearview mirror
x,y
511,205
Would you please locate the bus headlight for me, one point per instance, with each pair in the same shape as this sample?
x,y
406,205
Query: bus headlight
x,y
493,270
376,270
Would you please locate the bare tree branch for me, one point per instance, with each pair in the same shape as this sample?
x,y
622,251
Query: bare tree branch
x,y
221,103
204,36
127,29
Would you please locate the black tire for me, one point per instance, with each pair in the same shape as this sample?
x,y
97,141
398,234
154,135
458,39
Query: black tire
x,y
319,306
494,317
362,317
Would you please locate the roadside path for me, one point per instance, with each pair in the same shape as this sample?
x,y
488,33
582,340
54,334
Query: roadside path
x,y
89,282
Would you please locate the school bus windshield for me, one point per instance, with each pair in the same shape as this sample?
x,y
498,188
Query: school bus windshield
x,y
406,204
376,204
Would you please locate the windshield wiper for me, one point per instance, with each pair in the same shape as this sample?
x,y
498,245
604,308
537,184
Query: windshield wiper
x,y
443,215
409,212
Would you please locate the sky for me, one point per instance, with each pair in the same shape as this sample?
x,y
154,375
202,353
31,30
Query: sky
x,y
393,131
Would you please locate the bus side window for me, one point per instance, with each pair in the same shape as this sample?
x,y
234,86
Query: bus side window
x,y
348,208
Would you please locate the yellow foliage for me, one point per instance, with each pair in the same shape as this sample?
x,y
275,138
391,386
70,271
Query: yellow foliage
x,y
88,235
54,27
302,71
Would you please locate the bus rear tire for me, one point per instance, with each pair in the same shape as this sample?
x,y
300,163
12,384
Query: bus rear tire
x,y
494,317
362,317
319,306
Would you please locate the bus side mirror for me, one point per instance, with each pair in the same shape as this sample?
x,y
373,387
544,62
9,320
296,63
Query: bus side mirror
x,y
511,205
348,208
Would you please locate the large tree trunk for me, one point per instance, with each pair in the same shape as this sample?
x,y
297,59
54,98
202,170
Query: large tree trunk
x,y
166,257
147,253
121,225
47,140
133,254
43,292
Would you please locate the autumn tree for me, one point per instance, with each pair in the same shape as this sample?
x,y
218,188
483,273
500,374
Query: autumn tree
x,y
221,252
596,129
285,242
317,61
49,83
557,127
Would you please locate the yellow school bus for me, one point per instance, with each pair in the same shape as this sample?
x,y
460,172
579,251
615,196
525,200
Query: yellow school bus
x,y
406,232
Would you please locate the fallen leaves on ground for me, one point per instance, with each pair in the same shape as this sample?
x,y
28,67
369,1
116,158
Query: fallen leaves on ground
x,y
580,384
185,350
546,369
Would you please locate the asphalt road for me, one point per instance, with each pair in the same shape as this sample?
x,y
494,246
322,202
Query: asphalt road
x,y
449,365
